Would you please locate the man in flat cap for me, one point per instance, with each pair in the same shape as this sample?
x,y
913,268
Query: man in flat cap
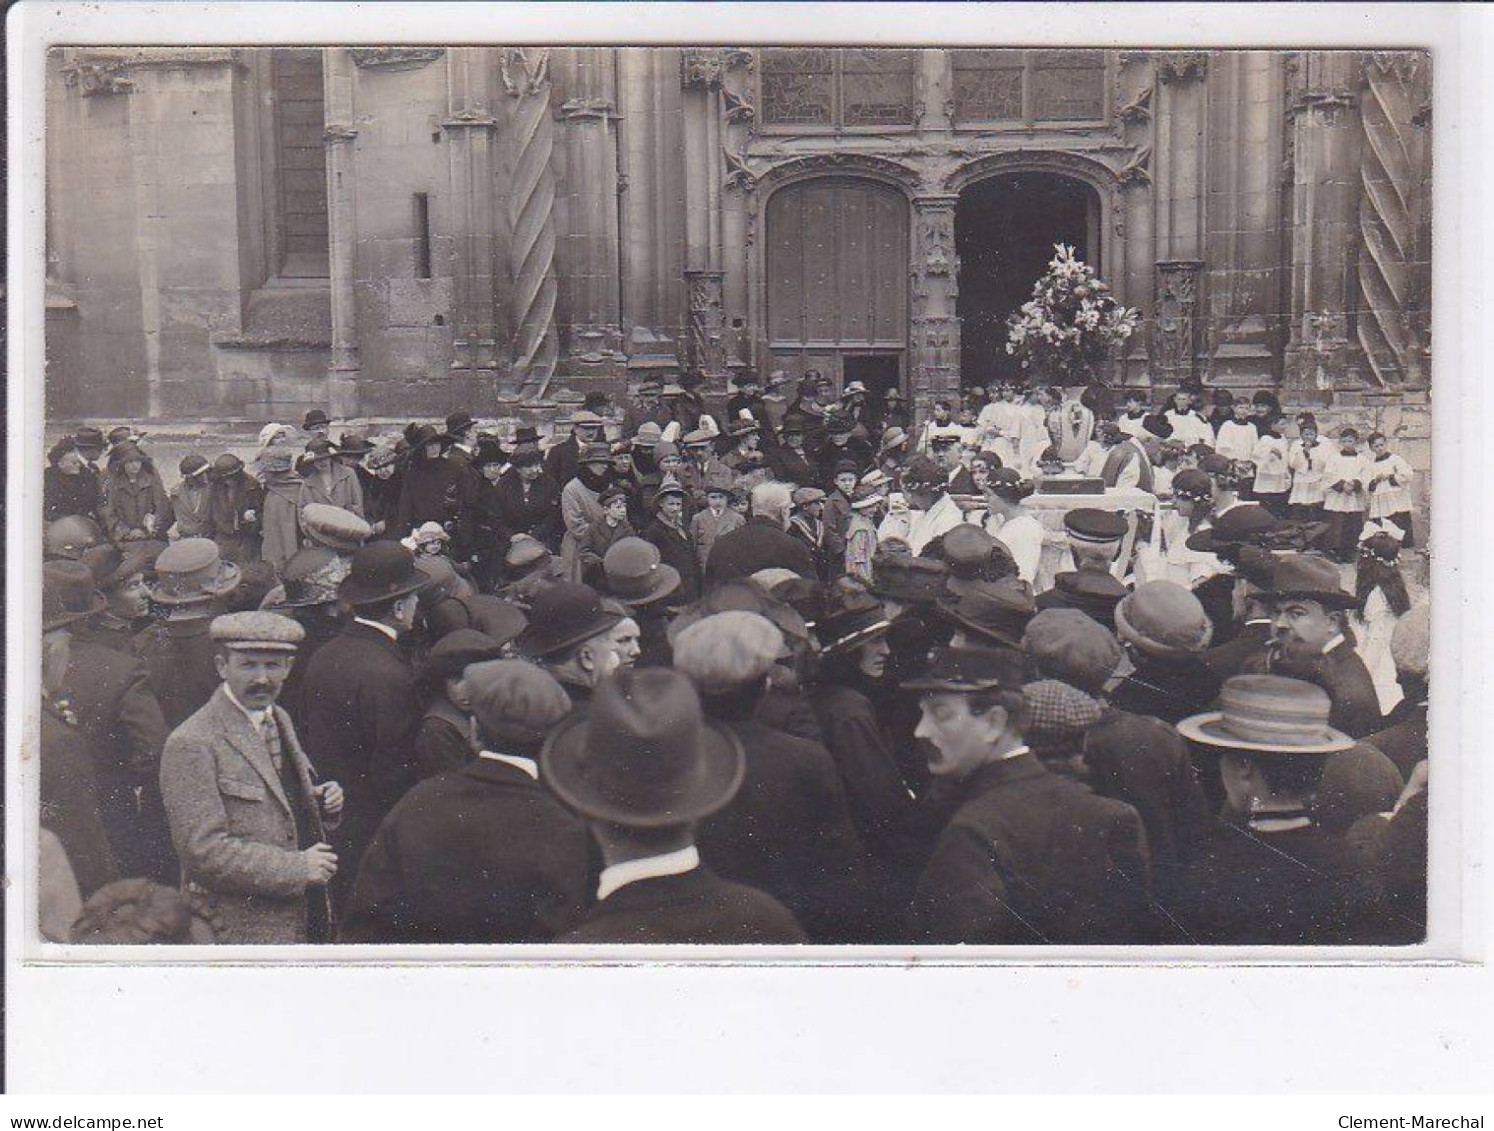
x,y
481,853
248,816
1028,856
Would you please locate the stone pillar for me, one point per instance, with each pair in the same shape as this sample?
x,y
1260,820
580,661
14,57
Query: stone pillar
x,y
470,129
705,341
342,231
934,343
1178,196
1392,180
1135,214
1323,224
525,72
591,239
702,74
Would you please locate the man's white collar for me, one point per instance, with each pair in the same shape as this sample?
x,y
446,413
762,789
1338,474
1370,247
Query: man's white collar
x,y
675,863
380,625
528,765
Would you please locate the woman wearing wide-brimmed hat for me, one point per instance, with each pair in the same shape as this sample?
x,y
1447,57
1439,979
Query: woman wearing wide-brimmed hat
x,y
136,506
69,485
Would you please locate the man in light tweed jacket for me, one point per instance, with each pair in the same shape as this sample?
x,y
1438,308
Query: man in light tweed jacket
x,y
248,820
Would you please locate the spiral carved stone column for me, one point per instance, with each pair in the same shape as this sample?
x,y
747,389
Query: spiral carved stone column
x,y
1389,174
531,208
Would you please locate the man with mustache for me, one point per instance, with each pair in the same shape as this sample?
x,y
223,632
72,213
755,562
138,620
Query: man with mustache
x,y
1308,641
247,815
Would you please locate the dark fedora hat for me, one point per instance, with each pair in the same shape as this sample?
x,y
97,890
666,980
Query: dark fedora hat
x,y
89,439
1268,714
993,610
454,651
563,615
68,594
421,435
458,421
1247,524
644,756
1311,577
353,443
970,670
381,571
315,419
635,573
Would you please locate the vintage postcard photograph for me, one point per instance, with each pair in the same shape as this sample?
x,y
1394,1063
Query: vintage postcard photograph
x,y
751,497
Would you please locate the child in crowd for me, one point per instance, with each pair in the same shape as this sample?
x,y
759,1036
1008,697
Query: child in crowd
x,y
1389,483
1273,478
1343,496
1306,456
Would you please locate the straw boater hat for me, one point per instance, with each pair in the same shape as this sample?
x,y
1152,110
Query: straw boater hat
x,y
192,572
1268,714
644,756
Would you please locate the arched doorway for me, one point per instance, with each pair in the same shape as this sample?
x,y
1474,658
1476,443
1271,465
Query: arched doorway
x,y
837,280
1005,229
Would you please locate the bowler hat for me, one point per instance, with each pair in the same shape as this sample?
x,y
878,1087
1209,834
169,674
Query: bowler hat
x,y
1268,714
644,756
993,610
192,571
421,435
458,422
595,453
668,486
89,439
635,573
970,670
1311,577
1163,619
381,571
68,594
563,615
316,418
526,455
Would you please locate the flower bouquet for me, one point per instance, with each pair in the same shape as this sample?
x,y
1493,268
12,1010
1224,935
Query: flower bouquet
x,y
1065,333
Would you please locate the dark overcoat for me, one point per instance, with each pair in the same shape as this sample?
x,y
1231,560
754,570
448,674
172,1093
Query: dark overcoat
x,y
759,544
1032,857
483,854
696,907
677,550
183,675
1169,690
880,801
537,513
121,726
789,833
70,801
1340,672
362,708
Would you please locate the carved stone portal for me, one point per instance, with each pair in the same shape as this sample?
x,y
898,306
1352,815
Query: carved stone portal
x,y
1175,323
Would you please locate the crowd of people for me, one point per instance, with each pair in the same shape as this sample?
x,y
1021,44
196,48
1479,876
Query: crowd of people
x,y
795,669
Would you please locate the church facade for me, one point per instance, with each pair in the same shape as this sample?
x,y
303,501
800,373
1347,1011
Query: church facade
x,y
386,232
